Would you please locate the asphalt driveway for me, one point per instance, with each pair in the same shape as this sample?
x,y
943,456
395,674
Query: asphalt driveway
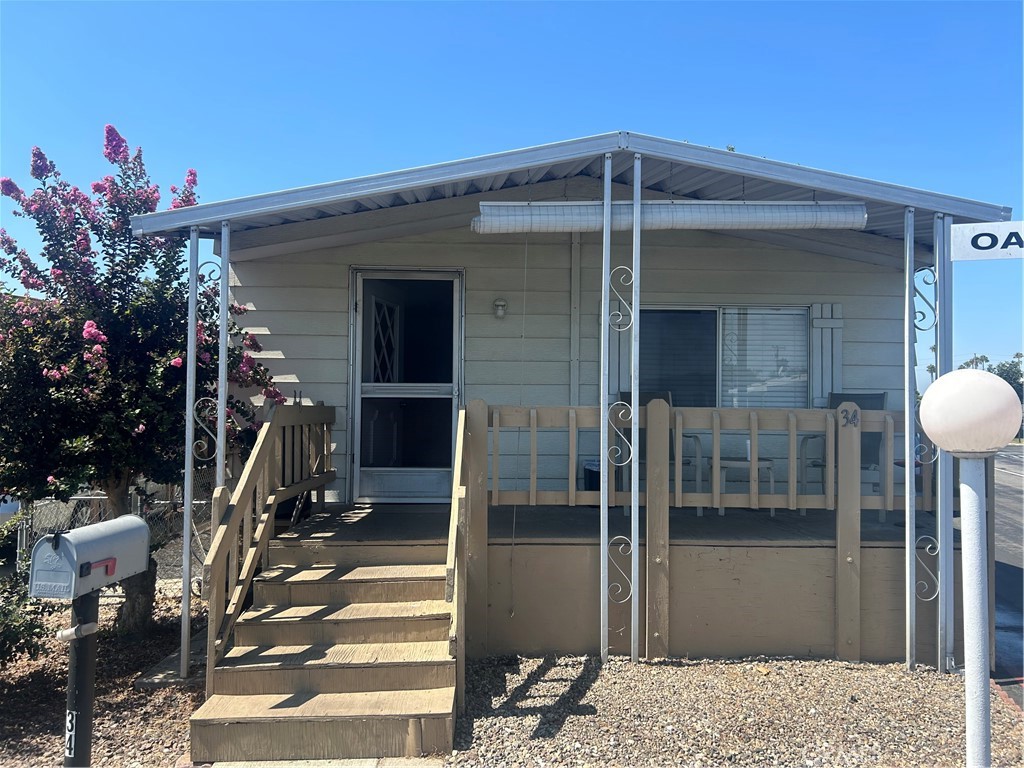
x,y
1009,536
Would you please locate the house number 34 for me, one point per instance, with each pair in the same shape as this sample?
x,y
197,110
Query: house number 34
x,y
850,418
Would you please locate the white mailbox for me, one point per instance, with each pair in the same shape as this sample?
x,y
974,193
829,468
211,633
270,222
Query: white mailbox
x,y
69,565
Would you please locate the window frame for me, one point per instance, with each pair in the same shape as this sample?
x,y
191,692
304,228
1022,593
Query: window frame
x,y
719,312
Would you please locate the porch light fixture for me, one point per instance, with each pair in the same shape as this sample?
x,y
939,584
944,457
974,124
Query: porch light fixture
x,y
562,216
972,414
500,305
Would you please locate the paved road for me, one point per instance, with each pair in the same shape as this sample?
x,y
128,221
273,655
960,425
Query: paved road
x,y
1010,570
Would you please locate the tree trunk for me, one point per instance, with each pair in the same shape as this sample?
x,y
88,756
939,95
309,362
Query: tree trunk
x,y
136,613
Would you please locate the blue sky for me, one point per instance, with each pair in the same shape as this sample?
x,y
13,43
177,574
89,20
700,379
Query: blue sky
x,y
266,96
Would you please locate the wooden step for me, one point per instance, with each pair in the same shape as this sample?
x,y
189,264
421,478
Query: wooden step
x,y
335,668
415,621
326,584
315,551
323,726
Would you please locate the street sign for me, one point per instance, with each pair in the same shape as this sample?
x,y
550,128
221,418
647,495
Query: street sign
x,y
994,240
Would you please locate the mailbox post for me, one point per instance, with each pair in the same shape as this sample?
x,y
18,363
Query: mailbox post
x,y
75,566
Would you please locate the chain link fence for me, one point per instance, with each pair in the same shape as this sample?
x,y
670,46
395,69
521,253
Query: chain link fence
x,y
161,506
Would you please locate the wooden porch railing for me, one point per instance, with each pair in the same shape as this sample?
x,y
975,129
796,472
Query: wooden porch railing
x,y
692,432
455,563
292,456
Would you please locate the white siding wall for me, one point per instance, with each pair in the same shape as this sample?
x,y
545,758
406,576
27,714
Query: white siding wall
x,y
299,309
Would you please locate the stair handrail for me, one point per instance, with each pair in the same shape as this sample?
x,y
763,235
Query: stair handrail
x,y
277,469
455,562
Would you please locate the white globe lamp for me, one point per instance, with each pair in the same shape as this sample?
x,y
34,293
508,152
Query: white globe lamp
x,y
971,414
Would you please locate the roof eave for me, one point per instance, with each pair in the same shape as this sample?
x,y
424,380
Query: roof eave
x,y
394,181
211,214
824,181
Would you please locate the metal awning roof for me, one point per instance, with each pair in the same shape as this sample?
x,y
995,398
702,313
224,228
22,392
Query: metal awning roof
x,y
671,169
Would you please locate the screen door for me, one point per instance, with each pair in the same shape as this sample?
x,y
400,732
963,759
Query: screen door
x,y
406,392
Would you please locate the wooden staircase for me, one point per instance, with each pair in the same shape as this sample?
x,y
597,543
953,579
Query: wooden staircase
x,y
340,655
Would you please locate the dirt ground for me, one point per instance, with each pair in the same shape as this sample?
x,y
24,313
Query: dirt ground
x,y
131,727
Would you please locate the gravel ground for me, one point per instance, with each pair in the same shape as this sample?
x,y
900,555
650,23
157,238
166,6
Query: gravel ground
x,y
131,728
756,712
554,710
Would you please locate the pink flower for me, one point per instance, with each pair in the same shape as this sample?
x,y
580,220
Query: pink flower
x,y
115,148
139,429
205,357
41,166
27,323
9,189
99,187
91,332
177,362
54,272
191,179
7,243
51,479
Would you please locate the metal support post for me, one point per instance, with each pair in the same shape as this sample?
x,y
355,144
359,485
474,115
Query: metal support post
x,y
634,459
81,683
975,594
222,354
190,438
944,481
909,441
606,250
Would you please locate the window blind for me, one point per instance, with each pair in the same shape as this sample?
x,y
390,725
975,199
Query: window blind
x,y
764,354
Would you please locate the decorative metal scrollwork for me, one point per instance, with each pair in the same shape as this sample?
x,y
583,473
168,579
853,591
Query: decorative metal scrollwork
x,y
616,588
617,319
924,590
204,412
620,453
209,271
924,319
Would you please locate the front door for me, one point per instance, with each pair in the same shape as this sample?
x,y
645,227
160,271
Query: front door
x,y
407,333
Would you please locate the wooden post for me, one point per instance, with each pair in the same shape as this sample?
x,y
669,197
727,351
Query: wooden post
x,y
213,587
476,561
658,416
848,559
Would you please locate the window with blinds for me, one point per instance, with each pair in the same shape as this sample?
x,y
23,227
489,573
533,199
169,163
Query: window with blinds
x,y
760,352
764,357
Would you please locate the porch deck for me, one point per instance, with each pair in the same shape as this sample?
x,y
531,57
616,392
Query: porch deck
x,y
427,524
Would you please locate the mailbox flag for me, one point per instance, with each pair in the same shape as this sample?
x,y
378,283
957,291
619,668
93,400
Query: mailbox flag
x,y
974,242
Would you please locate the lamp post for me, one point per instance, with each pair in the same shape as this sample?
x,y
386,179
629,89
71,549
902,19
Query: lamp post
x,y
972,414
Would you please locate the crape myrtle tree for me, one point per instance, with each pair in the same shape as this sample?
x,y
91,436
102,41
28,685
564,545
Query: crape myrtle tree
x,y
92,374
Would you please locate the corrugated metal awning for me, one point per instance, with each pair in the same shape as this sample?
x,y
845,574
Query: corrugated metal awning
x,y
671,170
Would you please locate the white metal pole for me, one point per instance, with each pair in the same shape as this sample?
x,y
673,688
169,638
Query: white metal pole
x,y
944,473
606,257
222,359
975,594
634,433
909,440
190,437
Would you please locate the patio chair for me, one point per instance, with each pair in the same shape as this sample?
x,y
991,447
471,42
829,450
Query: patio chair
x,y
695,461
870,442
